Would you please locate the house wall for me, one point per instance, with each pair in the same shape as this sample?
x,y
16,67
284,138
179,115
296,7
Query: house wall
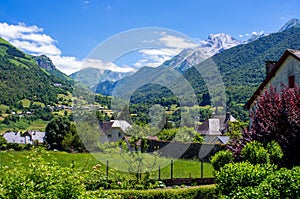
x,y
114,132
290,66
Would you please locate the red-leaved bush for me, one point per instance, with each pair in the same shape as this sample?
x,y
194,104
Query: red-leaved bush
x,y
276,116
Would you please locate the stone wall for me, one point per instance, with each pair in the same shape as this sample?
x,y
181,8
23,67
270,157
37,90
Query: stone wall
x,y
173,149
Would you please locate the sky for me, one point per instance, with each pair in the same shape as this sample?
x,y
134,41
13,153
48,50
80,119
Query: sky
x,y
68,30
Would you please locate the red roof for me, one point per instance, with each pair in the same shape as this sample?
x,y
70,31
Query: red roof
x,y
288,52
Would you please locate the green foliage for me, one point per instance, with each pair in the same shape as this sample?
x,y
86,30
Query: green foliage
x,y
3,143
183,134
274,151
167,134
40,179
205,192
221,158
283,183
235,129
234,176
255,153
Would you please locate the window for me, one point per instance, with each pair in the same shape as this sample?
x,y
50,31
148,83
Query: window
x,y
109,135
292,81
119,134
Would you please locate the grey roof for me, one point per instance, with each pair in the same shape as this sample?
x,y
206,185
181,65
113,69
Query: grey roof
x,y
37,135
27,138
13,137
217,125
122,124
211,139
223,139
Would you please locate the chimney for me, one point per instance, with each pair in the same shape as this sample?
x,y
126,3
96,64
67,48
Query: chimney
x,y
269,66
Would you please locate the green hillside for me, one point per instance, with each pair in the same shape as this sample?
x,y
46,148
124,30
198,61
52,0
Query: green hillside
x,y
22,78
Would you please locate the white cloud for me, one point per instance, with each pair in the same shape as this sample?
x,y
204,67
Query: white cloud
x,y
171,46
177,42
66,64
29,38
97,63
282,18
36,48
241,36
32,40
155,57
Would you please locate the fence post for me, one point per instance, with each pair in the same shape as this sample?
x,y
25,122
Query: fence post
x,y
171,169
106,169
159,172
201,168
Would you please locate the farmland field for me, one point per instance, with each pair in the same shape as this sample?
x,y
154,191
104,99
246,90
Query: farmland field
x,y
85,161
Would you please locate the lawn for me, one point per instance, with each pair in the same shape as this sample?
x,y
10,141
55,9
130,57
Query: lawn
x,y
3,108
85,161
25,103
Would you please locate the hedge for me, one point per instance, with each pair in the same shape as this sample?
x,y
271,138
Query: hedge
x,y
203,192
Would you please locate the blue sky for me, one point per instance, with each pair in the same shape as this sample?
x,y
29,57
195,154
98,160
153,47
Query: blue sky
x,y
68,30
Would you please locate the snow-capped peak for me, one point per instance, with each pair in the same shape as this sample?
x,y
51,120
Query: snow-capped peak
x,y
214,44
291,23
255,36
222,40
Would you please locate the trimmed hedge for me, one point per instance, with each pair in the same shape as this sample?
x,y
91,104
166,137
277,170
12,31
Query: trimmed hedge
x,y
221,158
234,176
204,191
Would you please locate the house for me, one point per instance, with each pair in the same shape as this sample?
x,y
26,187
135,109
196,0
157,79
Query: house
x,y
36,136
213,129
215,126
28,137
16,137
284,71
114,130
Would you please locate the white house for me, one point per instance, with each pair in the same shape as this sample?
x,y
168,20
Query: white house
x,y
26,138
115,130
285,71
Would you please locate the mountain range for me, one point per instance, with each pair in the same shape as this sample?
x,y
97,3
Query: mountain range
x,y
92,76
241,65
242,69
214,44
222,44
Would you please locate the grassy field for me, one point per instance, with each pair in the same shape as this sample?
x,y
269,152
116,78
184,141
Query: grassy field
x,y
23,125
85,161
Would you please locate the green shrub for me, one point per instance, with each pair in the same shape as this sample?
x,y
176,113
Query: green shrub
x,y
283,183
275,152
206,191
255,153
221,158
234,176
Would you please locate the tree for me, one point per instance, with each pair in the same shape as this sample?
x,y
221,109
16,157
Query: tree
x,y
72,140
56,130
